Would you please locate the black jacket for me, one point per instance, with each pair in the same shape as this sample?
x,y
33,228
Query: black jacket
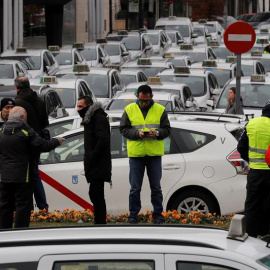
x,y
97,157
37,117
18,146
133,134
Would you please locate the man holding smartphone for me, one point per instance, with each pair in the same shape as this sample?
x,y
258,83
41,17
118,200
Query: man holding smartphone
x,y
145,124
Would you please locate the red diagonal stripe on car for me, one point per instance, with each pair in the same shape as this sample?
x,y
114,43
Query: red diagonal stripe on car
x,y
65,191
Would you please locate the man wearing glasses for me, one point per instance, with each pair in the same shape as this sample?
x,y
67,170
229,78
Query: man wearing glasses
x,y
145,124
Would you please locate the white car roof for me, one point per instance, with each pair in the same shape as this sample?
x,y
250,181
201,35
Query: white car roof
x,y
9,62
157,95
173,21
246,80
61,83
163,85
154,64
28,53
130,71
193,72
220,64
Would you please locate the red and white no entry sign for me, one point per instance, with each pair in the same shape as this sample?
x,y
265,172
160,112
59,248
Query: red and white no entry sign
x,y
239,37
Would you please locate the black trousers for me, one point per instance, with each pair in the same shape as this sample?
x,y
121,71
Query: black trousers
x,y
96,194
15,197
257,204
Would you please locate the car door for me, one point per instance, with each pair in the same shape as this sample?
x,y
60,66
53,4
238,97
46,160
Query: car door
x,y
99,259
202,262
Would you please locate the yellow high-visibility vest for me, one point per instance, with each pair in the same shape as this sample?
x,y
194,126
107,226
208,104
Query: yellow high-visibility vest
x,y
258,132
149,147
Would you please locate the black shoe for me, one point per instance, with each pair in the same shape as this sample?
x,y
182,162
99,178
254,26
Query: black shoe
x,y
159,221
133,221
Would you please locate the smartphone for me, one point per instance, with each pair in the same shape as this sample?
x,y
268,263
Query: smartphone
x,y
146,132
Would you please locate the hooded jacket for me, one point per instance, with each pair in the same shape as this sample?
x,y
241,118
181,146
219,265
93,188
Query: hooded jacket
x,y
37,117
97,157
18,146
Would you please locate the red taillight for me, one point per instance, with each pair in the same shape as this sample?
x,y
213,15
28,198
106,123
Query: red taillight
x,y
235,159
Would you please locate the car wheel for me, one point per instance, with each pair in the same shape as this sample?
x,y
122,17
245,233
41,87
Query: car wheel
x,y
190,201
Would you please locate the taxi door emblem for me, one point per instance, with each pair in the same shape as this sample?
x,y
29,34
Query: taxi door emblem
x,y
74,179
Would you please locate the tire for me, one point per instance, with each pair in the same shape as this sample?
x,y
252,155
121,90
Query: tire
x,y
189,201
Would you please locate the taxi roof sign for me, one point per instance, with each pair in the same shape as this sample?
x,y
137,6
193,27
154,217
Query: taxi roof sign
x,y
78,45
168,55
209,63
154,80
213,43
262,40
122,32
53,48
256,53
230,59
202,21
257,78
48,79
117,67
171,18
144,61
186,47
81,68
182,69
264,30
21,50
101,40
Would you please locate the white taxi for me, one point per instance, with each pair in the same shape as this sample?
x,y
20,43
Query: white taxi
x,y
201,169
258,55
216,30
202,83
149,67
37,62
254,92
202,33
220,50
175,37
148,247
69,90
104,82
182,90
197,53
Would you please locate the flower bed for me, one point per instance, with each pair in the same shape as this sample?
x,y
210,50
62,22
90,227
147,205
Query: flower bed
x,y
171,217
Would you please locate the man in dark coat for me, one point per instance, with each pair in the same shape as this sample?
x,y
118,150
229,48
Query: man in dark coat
x,y
38,120
97,157
18,144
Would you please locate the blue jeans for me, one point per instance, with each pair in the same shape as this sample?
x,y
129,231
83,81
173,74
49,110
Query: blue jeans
x,y
136,173
39,192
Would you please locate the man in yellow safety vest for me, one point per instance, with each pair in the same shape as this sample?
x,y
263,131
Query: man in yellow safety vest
x,y
253,146
145,124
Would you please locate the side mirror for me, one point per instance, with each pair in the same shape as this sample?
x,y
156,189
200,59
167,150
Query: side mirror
x,y
147,48
48,68
189,104
219,33
125,54
216,91
208,35
210,103
194,36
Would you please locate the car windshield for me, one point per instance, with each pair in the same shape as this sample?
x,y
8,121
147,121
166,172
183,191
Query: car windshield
x,y
112,50
253,95
67,96
132,43
6,72
221,52
260,17
97,82
178,62
172,37
154,38
197,56
183,29
222,75
89,54
127,79
211,28
198,31
29,62
196,84
149,71
120,104
63,58
247,69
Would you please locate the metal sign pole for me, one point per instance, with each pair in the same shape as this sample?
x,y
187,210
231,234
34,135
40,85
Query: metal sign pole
x,y
238,82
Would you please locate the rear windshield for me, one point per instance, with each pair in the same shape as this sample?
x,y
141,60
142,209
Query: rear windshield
x,y
211,28
196,84
6,72
198,31
63,58
29,62
111,50
132,43
260,17
89,54
127,79
154,38
172,37
221,52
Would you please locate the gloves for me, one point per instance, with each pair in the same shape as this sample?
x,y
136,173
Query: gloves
x,y
60,140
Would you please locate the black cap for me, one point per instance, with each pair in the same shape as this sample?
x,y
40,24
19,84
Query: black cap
x,y
7,101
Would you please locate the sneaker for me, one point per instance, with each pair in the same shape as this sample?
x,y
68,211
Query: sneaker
x,y
159,221
133,221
